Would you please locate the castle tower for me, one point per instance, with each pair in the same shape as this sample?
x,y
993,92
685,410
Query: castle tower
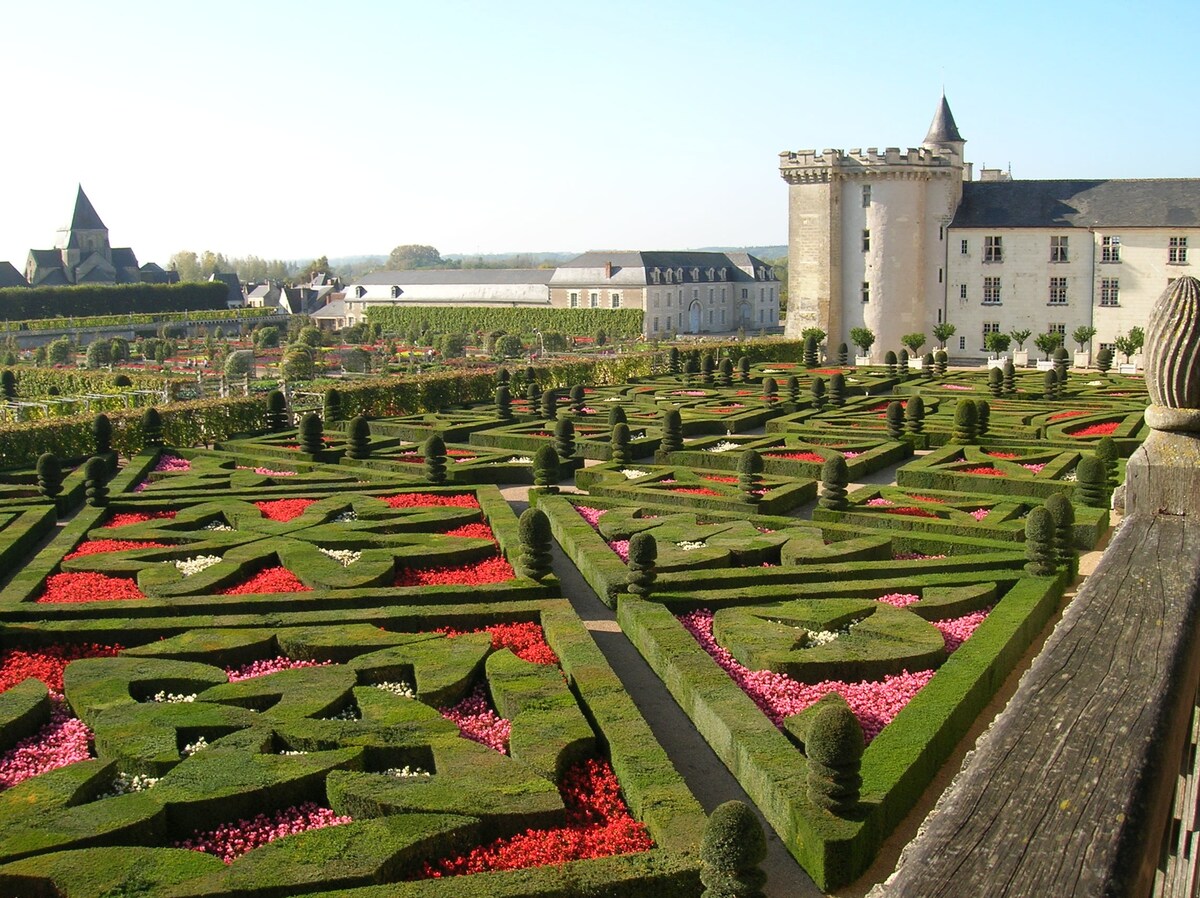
x,y
867,236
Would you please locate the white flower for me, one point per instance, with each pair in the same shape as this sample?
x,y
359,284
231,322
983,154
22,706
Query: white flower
x,y
124,783
402,689
218,526
346,517
173,698
688,545
612,399
192,747
1070,477
520,460
293,752
723,446
351,713
1095,383
344,557
406,771
631,473
189,566
824,637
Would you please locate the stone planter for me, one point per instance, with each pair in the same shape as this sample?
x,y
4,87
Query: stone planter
x,y
915,364
1021,358
1045,364
1083,359
862,360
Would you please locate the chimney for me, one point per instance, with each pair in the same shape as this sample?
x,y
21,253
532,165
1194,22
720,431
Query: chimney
x,y
608,270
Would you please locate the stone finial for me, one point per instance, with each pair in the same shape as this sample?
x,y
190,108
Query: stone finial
x,y
1173,358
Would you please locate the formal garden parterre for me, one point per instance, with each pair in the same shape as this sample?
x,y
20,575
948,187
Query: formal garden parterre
x,y
325,656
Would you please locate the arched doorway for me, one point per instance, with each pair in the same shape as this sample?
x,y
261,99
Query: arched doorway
x,y
745,314
694,318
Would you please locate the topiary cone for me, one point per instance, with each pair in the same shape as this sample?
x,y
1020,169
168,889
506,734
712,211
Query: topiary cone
x,y
619,445
731,850
750,466
643,553
1063,512
837,389
834,478
914,415
834,749
1039,543
1092,478
672,432
535,560
95,481
152,433
895,420
966,419
102,434
564,438
545,469
49,474
359,438
434,452
312,434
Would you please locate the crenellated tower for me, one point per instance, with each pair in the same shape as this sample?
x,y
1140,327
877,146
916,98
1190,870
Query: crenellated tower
x,y
867,235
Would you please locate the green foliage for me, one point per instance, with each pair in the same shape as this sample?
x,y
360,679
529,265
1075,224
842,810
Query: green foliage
x,y
434,451
1040,543
913,342
504,403
118,349
266,337
545,469
601,337
1010,378
95,479
616,415
863,338
914,415
621,323
843,354
770,388
451,346
535,560
1137,336
533,395
564,438
966,422
895,419
996,382
239,363
750,468
733,847
278,417
672,432
817,388
152,427
1104,360
890,361
743,365
312,434
983,417
331,405
793,389
578,398
52,302
549,404
943,332
619,443
837,389
816,333
101,434
941,361
8,384
1048,342
1082,335
298,363
674,365
1050,385
1106,451
509,346
1063,512
554,341
707,366
1092,481
98,354
996,342
59,351
356,360
1019,337
835,476
49,475
310,336
643,555
359,438
834,749
810,351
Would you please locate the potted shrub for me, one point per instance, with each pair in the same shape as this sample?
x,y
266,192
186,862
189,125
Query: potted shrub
x,y
997,344
1130,345
1082,335
1047,343
913,343
943,332
864,339
1020,357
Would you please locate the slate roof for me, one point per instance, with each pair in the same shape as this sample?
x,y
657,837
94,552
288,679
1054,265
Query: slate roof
x,y
123,257
943,129
10,277
1145,203
459,276
635,267
85,217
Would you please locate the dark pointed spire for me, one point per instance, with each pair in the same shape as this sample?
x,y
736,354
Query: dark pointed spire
x,y
943,130
85,217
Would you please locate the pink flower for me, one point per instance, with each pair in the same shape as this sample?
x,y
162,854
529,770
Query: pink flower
x,y
229,841
899,599
979,514
172,463
478,722
62,741
591,515
880,502
621,547
269,666
958,630
1035,468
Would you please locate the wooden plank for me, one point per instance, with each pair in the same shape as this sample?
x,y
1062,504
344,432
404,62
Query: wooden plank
x,y
1070,791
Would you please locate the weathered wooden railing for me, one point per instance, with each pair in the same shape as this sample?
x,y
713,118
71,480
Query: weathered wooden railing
x,y
1073,790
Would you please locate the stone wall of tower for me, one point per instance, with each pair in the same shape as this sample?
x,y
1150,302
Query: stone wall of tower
x,y
814,256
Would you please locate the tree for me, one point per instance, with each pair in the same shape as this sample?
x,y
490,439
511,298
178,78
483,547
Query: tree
x,y
416,255
239,363
1083,335
317,266
913,342
943,332
1048,342
815,332
1019,337
1125,346
509,346
863,338
996,342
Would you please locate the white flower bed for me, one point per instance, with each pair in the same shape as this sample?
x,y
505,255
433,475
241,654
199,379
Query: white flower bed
x,y
126,783
404,690
293,752
688,545
192,747
344,557
723,446
632,473
351,713
406,771
520,460
190,566
346,517
173,698
217,527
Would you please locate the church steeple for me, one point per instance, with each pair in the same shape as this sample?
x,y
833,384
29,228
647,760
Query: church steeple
x,y
943,132
85,217
86,234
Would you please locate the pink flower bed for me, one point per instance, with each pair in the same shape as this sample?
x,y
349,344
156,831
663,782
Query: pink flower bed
x,y
979,513
958,630
689,393
955,387
62,741
1035,468
269,666
1096,430
880,502
875,702
912,511
849,454
267,472
914,556
621,547
591,515
87,586
899,599
477,721
172,464
229,841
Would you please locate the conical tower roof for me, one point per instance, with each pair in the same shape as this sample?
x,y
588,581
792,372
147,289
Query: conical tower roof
x,y
85,218
943,130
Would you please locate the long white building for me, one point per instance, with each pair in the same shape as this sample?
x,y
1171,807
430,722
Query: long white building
x,y
899,242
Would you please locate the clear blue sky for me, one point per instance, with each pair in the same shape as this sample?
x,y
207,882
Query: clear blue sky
x,y
299,129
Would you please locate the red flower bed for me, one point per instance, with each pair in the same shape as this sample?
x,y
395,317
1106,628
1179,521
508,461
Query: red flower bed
x,y
283,510
825,371
695,490
477,530
911,511
1096,430
475,573
86,586
527,640
100,546
598,825
410,458
933,499
47,664
718,478
272,579
1061,415
1004,455
797,456
427,500
137,517
460,453
985,470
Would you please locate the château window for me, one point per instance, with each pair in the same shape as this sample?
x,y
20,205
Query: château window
x,y
962,342
1110,249
962,291
993,251
964,248
991,291
1058,291
866,240
989,327
574,300
1057,327
1110,292
1058,249
866,291
866,196
1177,251
745,293
615,300
594,300
656,324
712,295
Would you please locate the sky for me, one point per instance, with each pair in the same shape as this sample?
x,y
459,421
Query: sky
x,y
299,129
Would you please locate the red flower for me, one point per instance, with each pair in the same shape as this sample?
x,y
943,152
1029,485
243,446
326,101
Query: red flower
x,y
100,546
87,586
1003,455
911,511
477,530
1096,430
695,491
797,456
475,573
47,664
270,580
598,825
427,500
985,470
283,510
718,478
1061,415
526,640
136,517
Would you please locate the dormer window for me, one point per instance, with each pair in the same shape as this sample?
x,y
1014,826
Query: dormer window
x,y
711,273
654,275
723,274
679,275
396,291
695,274
360,292
670,276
